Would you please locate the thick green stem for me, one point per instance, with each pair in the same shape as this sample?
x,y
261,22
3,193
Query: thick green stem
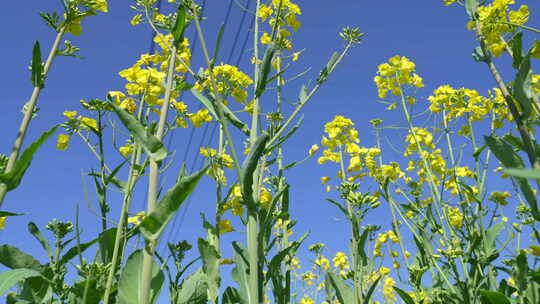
x,y
151,245
23,128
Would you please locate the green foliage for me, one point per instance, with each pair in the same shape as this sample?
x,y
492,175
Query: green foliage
x,y
13,178
154,224
129,284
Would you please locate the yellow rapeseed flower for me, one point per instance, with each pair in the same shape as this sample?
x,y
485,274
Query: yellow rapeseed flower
x,y
137,218
62,142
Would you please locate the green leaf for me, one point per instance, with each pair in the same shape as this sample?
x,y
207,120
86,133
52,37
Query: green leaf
x,y
516,44
218,42
130,280
510,159
240,273
13,258
231,296
226,111
343,291
471,6
76,250
525,173
491,237
153,224
150,144
330,66
521,270
34,230
479,55
249,166
404,296
179,25
106,246
264,72
522,88
210,259
6,214
10,278
37,66
368,295
13,178
494,297
193,290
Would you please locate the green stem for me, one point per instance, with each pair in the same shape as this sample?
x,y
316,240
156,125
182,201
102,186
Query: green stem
x,y
303,102
23,128
151,245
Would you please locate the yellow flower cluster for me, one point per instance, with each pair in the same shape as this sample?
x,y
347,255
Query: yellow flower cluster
x,y
137,218
126,149
340,132
493,20
200,117
229,80
235,203
225,226
536,84
382,238
459,102
500,197
217,163
288,12
98,5
281,226
388,292
62,142
341,261
146,77
394,74
455,217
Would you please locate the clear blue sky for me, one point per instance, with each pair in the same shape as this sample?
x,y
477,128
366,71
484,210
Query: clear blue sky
x,y
432,35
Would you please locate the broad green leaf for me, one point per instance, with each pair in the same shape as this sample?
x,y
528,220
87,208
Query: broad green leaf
x,y
404,296
226,111
13,178
494,297
129,285
153,224
34,230
522,88
343,291
179,25
37,66
510,159
13,258
150,144
193,290
249,166
525,173
210,259
10,278
106,246
265,69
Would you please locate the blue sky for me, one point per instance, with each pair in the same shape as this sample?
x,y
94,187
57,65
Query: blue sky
x,y
432,35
